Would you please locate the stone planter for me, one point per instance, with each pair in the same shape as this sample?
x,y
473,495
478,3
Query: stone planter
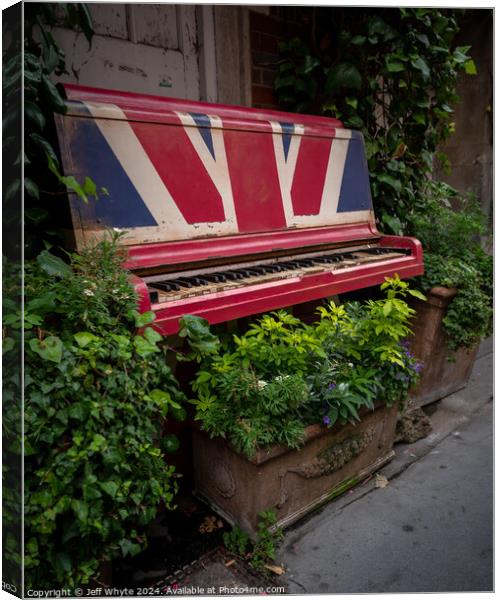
x,y
440,376
291,482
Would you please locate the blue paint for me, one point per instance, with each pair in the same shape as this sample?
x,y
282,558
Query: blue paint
x,y
288,129
204,127
92,155
355,189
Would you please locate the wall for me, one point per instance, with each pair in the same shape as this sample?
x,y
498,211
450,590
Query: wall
x,y
470,149
270,25
143,48
182,51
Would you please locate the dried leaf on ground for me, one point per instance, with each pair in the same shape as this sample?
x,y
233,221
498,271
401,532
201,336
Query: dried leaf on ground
x,y
276,569
210,524
381,481
230,563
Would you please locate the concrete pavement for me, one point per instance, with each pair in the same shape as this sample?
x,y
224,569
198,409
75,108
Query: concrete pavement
x,y
429,530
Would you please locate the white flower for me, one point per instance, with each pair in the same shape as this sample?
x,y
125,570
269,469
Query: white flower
x,y
88,292
281,377
261,384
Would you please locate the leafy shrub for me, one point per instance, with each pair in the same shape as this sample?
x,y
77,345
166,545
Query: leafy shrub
x,y
449,229
391,73
97,392
261,551
282,375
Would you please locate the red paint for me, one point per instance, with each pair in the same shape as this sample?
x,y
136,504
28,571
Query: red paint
x,y
151,106
170,253
143,300
236,303
397,241
258,206
182,171
254,181
310,173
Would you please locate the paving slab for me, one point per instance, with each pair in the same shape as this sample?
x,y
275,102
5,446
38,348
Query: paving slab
x,y
429,530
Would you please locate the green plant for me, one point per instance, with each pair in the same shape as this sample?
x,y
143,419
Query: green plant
x,y
449,229
97,392
237,541
281,375
253,389
43,59
268,537
371,335
390,72
262,551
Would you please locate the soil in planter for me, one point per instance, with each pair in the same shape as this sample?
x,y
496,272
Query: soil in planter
x,y
175,539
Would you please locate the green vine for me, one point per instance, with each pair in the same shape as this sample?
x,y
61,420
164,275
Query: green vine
x,y
45,186
97,394
390,73
454,258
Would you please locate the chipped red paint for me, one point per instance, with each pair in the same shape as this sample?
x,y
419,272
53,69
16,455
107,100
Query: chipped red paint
x,y
152,108
192,182
256,191
145,256
309,177
241,302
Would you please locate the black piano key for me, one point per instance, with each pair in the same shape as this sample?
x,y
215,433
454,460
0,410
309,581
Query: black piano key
x,y
288,266
166,286
271,268
233,275
323,260
305,262
199,280
182,283
214,277
258,270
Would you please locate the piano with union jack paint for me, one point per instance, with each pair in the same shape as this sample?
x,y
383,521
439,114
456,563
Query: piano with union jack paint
x,y
228,211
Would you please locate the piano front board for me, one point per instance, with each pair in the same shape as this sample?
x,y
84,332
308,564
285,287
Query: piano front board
x,y
186,171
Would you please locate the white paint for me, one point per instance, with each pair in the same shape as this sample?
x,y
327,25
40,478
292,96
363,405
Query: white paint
x,y
218,170
208,67
109,19
333,180
156,25
149,185
143,48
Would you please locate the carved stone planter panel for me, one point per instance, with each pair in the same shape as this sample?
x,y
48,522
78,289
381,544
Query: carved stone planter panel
x,y
440,376
292,482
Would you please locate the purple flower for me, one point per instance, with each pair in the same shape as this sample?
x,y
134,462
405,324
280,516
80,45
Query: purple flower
x,y
417,367
327,420
332,386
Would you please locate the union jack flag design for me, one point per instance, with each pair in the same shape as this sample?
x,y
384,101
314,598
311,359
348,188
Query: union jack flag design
x,y
187,174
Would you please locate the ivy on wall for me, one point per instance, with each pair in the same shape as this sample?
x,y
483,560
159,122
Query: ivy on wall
x,y
390,73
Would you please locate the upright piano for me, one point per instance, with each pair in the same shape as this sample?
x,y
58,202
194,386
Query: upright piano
x,y
228,211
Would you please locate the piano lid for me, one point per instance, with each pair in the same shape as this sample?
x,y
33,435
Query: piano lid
x,y
182,173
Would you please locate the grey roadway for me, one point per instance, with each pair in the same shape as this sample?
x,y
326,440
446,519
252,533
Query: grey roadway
x,y
429,530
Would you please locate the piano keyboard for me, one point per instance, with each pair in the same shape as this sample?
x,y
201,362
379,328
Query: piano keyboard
x,y
186,284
